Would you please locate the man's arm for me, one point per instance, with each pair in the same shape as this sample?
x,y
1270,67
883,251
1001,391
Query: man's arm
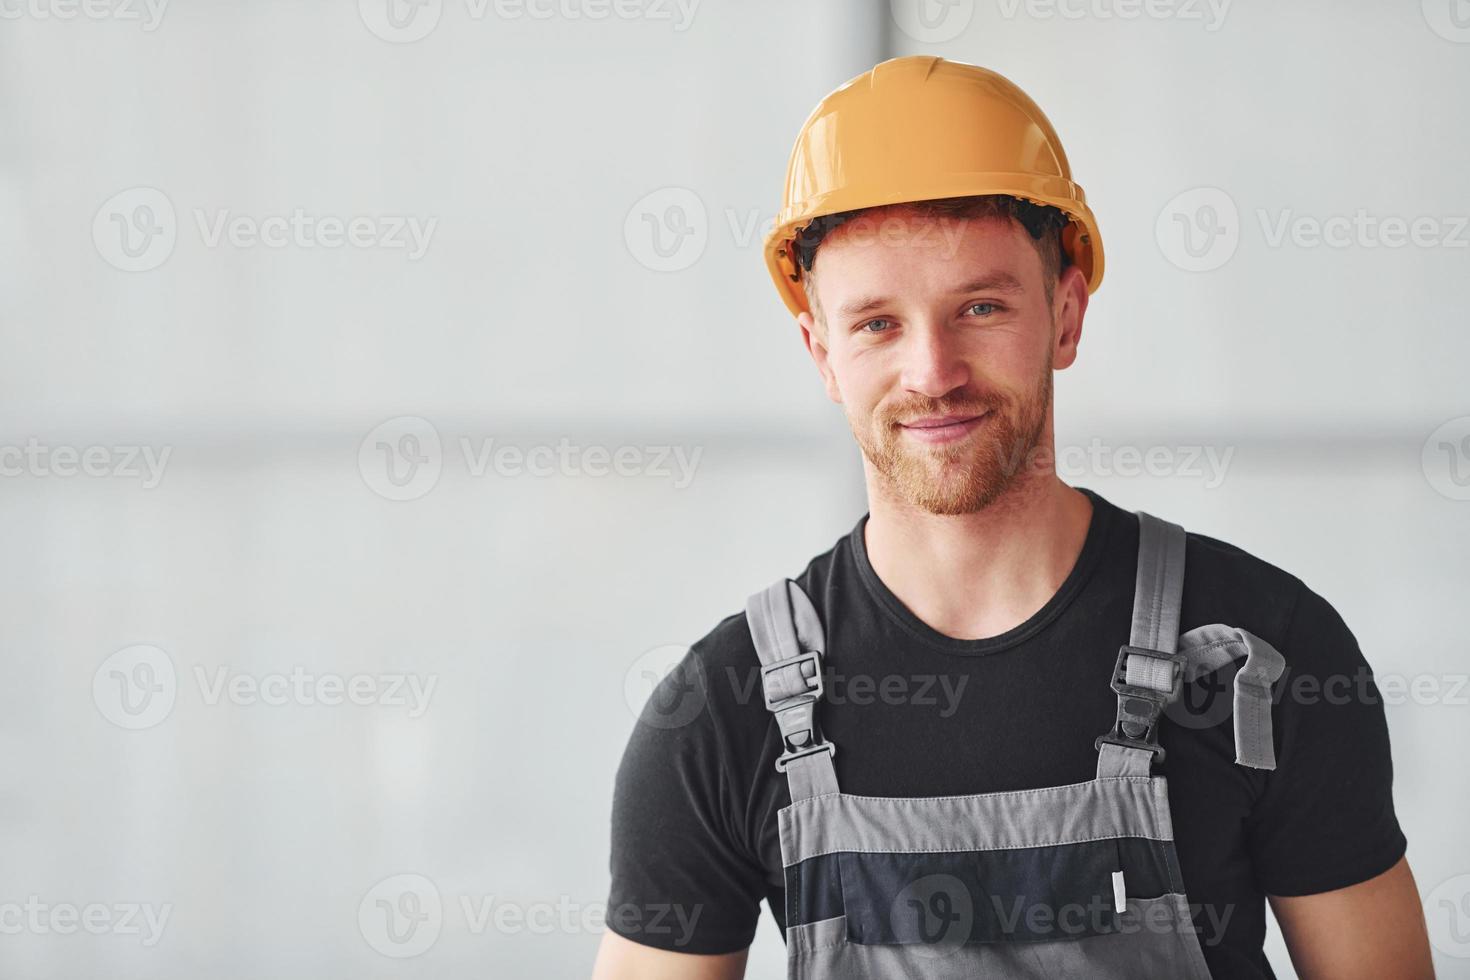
x,y
1366,931
623,959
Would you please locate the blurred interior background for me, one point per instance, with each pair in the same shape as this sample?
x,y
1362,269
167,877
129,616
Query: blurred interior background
x,y
321,261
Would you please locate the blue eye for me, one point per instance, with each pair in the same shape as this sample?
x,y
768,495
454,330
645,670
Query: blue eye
x,y
865,326
989,308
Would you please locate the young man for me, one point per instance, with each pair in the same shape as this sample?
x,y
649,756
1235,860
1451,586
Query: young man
x,y
966,776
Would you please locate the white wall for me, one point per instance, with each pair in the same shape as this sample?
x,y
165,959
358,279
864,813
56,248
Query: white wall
x,y
534,316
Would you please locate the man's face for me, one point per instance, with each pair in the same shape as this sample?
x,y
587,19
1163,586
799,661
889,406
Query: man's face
x,y
939,343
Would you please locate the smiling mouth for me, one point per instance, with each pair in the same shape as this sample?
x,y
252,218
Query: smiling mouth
x,y
943,429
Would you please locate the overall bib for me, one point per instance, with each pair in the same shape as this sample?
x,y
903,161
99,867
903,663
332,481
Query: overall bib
x,y
1077,881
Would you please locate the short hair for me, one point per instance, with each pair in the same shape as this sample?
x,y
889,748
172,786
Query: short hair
x,y
1042,222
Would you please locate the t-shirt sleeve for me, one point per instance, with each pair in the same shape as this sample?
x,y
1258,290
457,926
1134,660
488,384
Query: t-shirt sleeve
x,y
1326,818
682,879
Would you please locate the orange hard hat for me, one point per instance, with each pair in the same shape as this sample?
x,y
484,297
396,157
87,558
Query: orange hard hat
x,y
921,128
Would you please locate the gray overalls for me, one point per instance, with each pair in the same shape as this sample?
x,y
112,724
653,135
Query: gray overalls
x,y
1077,881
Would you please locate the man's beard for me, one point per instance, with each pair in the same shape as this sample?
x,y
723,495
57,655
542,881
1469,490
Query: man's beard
x,y
970,474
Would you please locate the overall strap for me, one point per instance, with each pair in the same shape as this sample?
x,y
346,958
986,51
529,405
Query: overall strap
x,y
789,640
1207,649
1149,671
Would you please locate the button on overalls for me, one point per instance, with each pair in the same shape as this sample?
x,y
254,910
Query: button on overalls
x,y
1077,881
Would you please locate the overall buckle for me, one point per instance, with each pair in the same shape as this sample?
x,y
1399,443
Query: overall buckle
x,y
788,757
1136,725
812,693
796,713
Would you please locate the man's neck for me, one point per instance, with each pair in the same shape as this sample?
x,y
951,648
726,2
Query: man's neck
x,y
978,575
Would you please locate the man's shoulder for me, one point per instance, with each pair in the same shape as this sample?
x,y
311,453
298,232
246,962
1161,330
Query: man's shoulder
x,y
1216,557
1227,583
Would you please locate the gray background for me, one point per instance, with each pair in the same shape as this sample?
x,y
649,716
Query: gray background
x,y
545,148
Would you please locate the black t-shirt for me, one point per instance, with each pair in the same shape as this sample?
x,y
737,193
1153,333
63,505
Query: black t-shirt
x,y
913,712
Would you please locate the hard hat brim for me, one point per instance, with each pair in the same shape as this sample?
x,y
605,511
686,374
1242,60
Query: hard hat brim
x,y
1080,240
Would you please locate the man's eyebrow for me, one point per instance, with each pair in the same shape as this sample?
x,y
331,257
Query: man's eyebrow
x,y
1002,282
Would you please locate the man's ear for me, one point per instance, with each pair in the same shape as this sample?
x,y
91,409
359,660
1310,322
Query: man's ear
x,y
1069,304
816,346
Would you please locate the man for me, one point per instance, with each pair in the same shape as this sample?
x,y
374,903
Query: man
x,y
954,785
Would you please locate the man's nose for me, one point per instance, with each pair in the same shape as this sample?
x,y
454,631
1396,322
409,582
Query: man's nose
x,y
933,364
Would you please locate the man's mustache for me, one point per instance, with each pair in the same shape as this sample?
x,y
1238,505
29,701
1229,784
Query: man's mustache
x,y
909,411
